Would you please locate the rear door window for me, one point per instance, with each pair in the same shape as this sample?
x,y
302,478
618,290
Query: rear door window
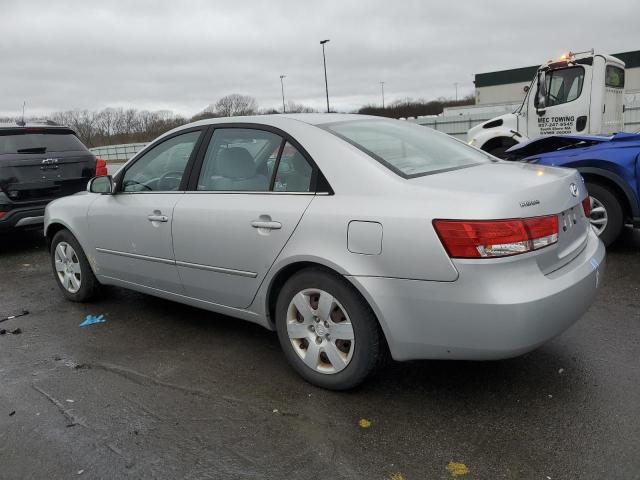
x,y
39,142
239,159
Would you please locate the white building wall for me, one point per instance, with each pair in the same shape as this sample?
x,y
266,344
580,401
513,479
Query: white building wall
x,y
506,93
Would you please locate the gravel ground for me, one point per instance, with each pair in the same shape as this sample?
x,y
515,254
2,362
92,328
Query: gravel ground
x,y
162,390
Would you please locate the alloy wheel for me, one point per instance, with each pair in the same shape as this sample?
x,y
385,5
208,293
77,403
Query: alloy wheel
x,y
67,266
598,218
320,331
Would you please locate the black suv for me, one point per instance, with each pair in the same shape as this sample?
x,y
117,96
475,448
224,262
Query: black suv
x,y
39,163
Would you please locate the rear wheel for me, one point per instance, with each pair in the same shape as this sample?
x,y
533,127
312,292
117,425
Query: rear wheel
x,y
327,331
606,212
71,268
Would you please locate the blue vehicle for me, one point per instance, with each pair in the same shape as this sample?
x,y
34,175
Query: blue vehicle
x,y
610,167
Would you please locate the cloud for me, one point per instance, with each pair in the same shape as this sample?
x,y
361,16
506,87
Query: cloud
x,y
184,55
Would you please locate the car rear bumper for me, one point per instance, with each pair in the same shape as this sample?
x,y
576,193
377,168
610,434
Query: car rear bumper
x,y
31,217
492,311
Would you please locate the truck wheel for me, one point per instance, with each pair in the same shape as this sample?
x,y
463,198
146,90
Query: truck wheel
x,y
327,331
498,146
606,212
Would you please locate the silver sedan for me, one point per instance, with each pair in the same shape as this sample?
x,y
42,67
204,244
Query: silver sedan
x,y
353,237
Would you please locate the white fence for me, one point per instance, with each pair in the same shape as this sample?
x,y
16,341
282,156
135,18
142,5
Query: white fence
x,y
118,153
458,125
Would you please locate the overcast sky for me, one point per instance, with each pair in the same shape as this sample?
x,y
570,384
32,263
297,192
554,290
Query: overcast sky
x,y
182,55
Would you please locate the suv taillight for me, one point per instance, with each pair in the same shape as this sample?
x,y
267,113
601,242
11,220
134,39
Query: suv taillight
x,y
101,168
496,238
586,206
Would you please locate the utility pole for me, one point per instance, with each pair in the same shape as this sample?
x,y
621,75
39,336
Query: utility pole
x,y
456,85
324,60
24,102
282,87
382,86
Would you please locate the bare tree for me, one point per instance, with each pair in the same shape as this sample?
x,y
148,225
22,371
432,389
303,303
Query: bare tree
x,y
235,105
293,107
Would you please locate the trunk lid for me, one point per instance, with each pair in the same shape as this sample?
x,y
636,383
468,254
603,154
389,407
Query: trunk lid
x,y
507,190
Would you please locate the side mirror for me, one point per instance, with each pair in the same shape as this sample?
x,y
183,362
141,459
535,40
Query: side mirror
x,y
541,95
103,185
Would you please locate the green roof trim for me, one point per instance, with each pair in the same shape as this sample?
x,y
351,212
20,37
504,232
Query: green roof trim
x,y
515,75
525,74
631,59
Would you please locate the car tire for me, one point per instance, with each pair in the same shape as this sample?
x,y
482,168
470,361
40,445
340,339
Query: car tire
x,y
71,268
602,197
354,359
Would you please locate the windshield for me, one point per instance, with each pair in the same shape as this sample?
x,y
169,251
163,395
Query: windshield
x,y
407,149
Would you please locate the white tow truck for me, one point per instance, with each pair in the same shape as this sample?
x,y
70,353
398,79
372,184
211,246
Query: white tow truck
x,y
581,93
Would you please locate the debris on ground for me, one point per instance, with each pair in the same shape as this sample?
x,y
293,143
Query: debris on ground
x,y
364,423
560,371
11,317
16,331
396,476
13,412
457,469
92,319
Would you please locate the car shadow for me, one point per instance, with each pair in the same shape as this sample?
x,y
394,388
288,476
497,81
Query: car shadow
x,y
530,375
20,241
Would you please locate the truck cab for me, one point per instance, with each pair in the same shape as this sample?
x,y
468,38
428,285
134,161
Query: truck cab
x,y
582,93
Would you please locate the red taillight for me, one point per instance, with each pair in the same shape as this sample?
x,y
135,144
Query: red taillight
x,y
2,214
586,206
496,238
101,168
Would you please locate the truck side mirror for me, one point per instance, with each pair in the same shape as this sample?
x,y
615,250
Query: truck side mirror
x,y
103,185
541,94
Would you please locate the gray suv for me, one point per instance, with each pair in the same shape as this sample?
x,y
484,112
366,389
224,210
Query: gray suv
x,y
39,162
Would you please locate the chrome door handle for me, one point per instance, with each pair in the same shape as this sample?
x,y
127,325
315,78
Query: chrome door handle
x,y
266,224
158,218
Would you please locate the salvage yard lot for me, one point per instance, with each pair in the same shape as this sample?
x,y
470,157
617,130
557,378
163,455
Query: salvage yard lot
x,y
162,390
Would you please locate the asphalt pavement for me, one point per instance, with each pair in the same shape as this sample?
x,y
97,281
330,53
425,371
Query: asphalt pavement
x,y
161,390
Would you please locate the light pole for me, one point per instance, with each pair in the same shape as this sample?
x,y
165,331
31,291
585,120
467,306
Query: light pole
x,y
282,87
324,60
382,86
456,85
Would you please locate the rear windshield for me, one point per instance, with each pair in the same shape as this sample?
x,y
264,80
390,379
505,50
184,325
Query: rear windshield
x,y
407,149
39,142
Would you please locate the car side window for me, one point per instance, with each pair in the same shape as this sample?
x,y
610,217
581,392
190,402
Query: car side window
x,y
294,172
239,159
161,168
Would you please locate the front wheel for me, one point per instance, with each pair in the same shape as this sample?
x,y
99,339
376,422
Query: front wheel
x,y
327,331
71,268
606,213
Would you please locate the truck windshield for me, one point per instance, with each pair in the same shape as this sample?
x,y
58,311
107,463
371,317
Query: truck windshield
x,y
407,149
563,85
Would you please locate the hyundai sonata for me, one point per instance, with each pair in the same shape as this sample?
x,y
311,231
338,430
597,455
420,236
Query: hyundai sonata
x,y
351,236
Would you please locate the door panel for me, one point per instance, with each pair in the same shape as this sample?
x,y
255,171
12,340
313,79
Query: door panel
x,y
567,99
225,243
129,245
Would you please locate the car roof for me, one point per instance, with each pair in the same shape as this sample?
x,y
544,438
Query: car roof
x,y
283,118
